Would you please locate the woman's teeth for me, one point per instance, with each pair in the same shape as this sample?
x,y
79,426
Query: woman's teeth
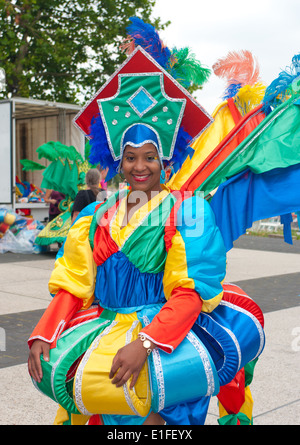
x,y
140,177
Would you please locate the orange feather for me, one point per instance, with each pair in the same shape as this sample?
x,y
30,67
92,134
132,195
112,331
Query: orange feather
x,y
238,67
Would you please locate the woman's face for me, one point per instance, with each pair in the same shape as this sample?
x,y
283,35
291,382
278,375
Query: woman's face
x,y
141,168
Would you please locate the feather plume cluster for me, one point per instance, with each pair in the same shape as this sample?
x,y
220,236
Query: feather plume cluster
x,y
180,63
29,165
145,35
186,69
100,152
53,151
282,88
56,150
249,97
238,67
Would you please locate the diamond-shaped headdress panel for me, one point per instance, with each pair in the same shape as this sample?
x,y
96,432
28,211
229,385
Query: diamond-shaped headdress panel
x,y
142,99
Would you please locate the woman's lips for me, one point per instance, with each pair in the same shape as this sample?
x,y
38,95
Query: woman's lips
x,y
140,178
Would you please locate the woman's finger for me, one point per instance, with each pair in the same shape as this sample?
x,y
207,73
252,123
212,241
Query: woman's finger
x,y
134,379
31,371
114,367
119,375
126,376
34,368
45,351
34,361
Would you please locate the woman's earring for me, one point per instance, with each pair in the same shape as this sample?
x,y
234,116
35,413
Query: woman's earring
x,y
162,176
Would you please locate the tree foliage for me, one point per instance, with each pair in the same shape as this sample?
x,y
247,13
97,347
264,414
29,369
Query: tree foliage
x,y
63,50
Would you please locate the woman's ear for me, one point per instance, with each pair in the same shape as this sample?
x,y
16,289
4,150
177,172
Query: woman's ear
x,y
121,173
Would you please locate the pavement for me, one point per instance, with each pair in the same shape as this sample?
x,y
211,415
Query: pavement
x,y
266,268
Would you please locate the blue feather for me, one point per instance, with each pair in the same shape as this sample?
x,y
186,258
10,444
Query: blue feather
x,y
100,152
146,36
232,90
277,91
181,150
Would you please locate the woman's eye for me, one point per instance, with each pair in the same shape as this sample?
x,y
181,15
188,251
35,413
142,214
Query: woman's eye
x,y
151,158
129,158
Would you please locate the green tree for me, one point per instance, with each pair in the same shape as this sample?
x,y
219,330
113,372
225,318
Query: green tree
x,y
63,50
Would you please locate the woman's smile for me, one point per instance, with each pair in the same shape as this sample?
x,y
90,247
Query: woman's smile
x,y
140,178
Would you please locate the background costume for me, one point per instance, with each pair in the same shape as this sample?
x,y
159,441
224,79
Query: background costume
x,y
162,274
66,176
53,208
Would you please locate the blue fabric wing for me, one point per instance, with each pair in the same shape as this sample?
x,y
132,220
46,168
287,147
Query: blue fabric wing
x,y
249,197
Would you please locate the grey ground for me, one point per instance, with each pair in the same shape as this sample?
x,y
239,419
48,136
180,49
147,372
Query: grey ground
x,y
266,268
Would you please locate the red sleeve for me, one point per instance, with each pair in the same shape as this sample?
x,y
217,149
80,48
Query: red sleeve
x,y
175,319
59,312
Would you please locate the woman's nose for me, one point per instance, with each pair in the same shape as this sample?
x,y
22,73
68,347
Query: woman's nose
x,y
139,164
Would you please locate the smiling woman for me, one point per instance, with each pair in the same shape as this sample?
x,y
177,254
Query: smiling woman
x,y
128,322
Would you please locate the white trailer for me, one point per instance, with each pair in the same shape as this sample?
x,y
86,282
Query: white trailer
x,y
25,124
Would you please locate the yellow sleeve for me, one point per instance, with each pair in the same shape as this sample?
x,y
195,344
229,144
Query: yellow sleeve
x,y
76,270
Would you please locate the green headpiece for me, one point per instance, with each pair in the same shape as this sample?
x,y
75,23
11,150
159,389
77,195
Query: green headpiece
x,y
141,99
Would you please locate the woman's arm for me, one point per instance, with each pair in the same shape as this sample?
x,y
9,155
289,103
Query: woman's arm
x,y
45,335
74,216
47,197
73,287
57,315
194,272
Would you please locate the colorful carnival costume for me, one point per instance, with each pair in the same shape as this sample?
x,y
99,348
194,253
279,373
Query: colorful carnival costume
x,y
66,175
161,275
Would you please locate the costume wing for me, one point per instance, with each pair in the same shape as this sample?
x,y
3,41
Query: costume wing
x,y
234,119
256,167
261,178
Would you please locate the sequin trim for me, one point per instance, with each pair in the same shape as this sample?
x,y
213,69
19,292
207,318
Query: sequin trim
x,y
79,374
171,99
126,385
158,372
206,363
53,371
68,331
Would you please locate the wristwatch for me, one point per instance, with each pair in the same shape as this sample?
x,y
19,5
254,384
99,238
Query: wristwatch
x,y
146,343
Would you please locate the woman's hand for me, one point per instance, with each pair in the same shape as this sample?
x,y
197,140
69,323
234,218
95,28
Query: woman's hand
x,y
128,362
34,361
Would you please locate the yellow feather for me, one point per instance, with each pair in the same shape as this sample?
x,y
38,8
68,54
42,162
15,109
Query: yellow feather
x,y
249,97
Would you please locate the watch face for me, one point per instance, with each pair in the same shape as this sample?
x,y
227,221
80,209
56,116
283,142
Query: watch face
x,y
147,344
